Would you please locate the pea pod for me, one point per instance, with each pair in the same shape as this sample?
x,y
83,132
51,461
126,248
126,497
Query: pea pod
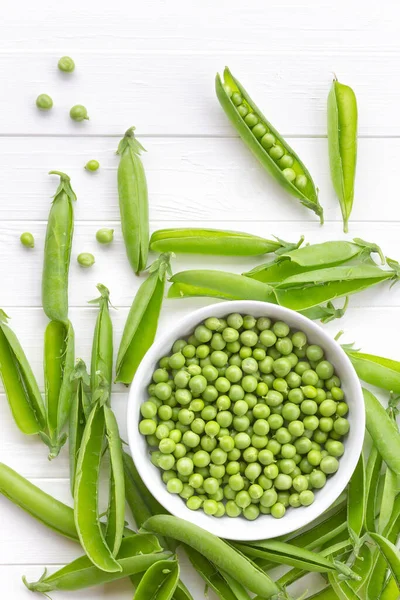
x,y
356,501
141,325
152,504
159,582
57,251
312,257
391,489
228,286
375,370
116,517
269,147
59,356
133,201
214,549
137,554
325,594
19,382
390,590
383,431
102,348
80,410
391,554
216,241
342,143
373,469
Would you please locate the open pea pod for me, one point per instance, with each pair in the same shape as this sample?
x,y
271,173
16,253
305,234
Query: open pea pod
x,y
19,382
315,256
141,325
159,582
269,147
342,144
102,347
59,357
216,241
80,410
136,555
356,497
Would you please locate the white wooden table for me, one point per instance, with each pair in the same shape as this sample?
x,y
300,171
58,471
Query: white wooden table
x,y
152,64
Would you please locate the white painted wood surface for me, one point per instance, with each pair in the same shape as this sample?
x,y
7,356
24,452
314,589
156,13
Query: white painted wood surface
x,y
153,64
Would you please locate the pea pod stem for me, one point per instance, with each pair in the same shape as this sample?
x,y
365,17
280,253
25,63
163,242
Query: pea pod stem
x,y
57,251
300,183
216,241
116,520
19,382
133,201
342,144
142,321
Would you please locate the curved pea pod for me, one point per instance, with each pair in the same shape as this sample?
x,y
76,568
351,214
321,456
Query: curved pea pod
x,y
391,555
57,251
216,241
376,370
218,284
102,347
80,410
152,504
356,498
51,512
141,325
136,555
217,551
390,589
116,513
87,517
342,143
312,288
383,431
59,356
292,175
19,382
133,201
159,582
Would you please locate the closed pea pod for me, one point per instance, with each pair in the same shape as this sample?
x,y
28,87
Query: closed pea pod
x,y
136,555
19,382
80,410
216,241
391,485
57,251
273,152
116,510
375,370
342,143
159,582
59,356
141,324
217,551
383,431
133,201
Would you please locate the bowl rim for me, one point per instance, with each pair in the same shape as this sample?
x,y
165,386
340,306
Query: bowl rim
x,y
226,527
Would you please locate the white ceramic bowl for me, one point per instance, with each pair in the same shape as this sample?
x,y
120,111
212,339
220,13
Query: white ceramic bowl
x,y
264,526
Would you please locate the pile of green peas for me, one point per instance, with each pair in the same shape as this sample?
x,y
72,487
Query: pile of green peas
x,y
245,417
268,141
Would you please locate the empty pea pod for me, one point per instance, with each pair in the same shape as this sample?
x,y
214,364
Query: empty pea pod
x,y
375,370
136,555
57,251
59,356
80,410
102,348
216,550
342,143
312,257
216,241
141,325
19,382
269,147
159,582
133,201
383,431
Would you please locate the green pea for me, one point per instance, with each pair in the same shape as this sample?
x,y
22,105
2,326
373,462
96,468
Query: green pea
x,y
66,64
242,440
185,466
236,98
93,165
309,407
198,384
320,436
44,102
317,479
268,338
232,509
314,352
278,510
208,443
219,359
78,113
27,240
166,461
289,174
326,424
301,182
175,486
194,503
341,426
281,367
309,377
329,465
285,162
306,497
311,422
251,119
275,421
327,408
85,259
274,398
259,130
147,427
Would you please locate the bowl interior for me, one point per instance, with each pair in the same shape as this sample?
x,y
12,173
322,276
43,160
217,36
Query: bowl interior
x,y
264,526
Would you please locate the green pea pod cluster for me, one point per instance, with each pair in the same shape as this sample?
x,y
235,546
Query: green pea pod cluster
x,y
342,143
136,555
80,410
269,147
141,325
19,382
133,201
57,251
216,242
59,356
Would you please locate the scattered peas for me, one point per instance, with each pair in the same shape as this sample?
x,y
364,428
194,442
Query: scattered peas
x,y
44,102
85,259
78,113
245,417
66,64
27,240
92,165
